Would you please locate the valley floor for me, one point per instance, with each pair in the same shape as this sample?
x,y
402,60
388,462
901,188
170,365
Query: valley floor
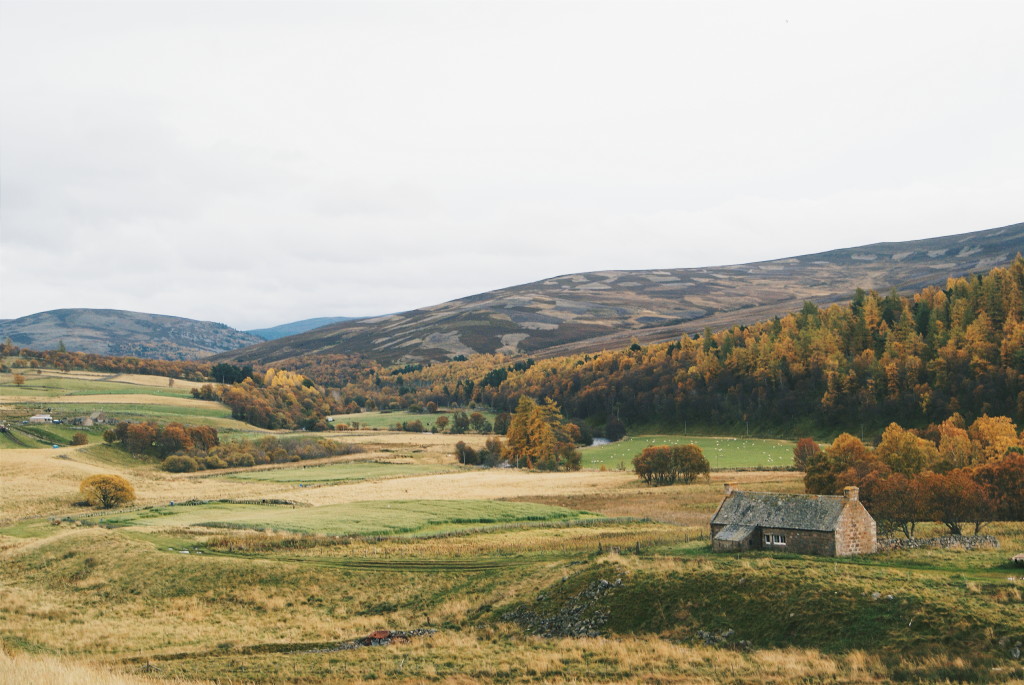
x,y
274,574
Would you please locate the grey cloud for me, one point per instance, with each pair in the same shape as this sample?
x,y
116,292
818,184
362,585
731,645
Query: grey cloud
x,y
304,159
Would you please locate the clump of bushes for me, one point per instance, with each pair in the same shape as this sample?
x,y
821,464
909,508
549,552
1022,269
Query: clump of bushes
x,y
490,455
185,449
664,464
161,441
180,463
268,450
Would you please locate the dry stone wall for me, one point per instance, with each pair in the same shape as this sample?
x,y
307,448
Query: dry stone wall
x,y
968,542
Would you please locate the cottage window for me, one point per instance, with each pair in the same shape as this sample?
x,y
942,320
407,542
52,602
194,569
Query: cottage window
x,y
767,539
779,539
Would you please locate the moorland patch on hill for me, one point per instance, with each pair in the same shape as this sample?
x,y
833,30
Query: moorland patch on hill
x,y
589,312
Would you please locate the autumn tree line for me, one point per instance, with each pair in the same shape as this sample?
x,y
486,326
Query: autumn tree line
x,y
456,423
958,474
62,360
277,398
878,358
153,440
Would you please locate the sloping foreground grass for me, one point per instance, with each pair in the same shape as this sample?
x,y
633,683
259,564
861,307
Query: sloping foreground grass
x,y
338,473
27,669
721,453
770,601
92,592
351,518
96,593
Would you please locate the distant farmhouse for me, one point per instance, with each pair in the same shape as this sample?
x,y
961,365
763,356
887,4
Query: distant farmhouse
x,y
95,418
834,526
40,418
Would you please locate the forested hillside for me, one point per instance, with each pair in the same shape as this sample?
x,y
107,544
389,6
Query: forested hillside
x,y
879,358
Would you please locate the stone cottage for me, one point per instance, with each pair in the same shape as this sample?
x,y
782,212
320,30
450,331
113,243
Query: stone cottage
x,y
826,525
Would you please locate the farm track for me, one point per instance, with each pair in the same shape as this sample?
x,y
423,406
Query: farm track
x,y
15,439
32,437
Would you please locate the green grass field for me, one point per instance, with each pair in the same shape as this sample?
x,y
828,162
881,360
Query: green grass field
x,y
338,473
53,387
217,416
377,419
721,453
45,435
352,518
141,412
58,386
12,442
115,456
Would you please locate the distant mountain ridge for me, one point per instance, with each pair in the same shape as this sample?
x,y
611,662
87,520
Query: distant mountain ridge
x,y
606,309
123,333
296,327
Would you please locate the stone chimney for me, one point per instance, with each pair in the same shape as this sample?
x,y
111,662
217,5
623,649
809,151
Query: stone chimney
x,y
728,489
851,493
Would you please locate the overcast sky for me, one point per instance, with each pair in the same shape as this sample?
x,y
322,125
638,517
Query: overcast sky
x,y
255,163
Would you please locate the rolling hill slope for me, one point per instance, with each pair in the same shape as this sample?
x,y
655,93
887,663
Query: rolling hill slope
x,y
117,332
606,309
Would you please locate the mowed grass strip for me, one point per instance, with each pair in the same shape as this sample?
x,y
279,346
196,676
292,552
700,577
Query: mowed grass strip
x,y
351,518
721,453
337,473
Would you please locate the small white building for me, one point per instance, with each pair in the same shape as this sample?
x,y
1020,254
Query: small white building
x,y
40,418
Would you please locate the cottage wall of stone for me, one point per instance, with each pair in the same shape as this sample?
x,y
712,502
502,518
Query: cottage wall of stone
x,y
818,542
855,532
730,546
797,541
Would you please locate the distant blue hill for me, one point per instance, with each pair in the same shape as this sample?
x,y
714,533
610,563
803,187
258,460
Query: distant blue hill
x,y
297,327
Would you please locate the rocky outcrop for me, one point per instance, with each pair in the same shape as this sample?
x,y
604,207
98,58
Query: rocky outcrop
x,y
582,615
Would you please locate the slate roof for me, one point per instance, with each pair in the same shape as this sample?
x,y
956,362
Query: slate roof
x,y
774,510
735,533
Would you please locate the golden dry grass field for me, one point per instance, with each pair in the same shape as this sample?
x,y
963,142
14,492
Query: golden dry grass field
x,y
237,593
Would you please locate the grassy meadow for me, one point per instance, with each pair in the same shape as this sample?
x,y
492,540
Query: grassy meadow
x,y
529,577
383,420
345,519
43,383
721,452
